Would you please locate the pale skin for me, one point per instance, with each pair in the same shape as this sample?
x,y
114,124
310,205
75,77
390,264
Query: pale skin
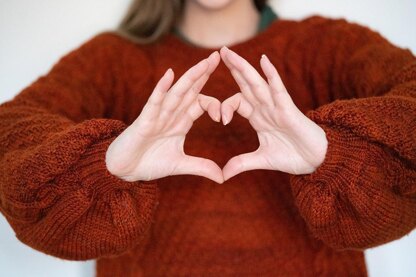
x,y
152,146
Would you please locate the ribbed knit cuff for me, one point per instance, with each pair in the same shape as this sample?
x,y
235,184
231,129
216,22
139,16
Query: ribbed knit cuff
x,y
94,173
315,193
344,152
353,199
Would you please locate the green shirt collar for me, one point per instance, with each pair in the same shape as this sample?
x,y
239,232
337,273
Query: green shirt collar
x,y
267,16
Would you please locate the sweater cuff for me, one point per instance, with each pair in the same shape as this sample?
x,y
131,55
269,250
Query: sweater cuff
x,y
94,173
357,198
344,151
316,193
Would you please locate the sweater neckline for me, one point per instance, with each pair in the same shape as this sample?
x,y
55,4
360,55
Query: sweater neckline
x,y
267,16
261,37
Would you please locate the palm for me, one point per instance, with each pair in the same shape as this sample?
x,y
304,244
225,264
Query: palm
x,y
164,144
289,141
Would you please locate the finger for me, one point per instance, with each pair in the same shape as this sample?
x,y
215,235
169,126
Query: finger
x,y
152,106
238,103
192,94
211,105
255,81
244,162
191,165
161,88
241,82
185,82
278,90
213,61
205,103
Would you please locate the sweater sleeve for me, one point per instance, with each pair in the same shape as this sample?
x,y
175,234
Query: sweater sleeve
x,y
364,193
55,190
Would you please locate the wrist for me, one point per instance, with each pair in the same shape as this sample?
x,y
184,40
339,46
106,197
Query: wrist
x,y
322,149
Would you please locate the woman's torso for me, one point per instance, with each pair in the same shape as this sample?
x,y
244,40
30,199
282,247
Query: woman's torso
x,y
249,225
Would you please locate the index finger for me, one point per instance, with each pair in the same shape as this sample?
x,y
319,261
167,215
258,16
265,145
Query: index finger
x,y
254,80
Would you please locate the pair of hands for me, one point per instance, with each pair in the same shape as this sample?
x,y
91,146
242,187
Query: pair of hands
x,y
152,146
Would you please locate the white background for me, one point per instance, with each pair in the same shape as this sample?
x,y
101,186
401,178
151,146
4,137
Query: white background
x,y
35,34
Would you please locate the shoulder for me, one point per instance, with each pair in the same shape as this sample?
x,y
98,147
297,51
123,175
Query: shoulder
x,y
316,25
109,45
109,55
319,20
319,31
338,27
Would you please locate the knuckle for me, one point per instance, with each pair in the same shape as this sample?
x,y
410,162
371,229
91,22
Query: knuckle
x,y
195,89
257,86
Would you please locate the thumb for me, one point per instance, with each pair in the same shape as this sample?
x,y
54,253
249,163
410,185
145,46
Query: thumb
x,y
244,162
199,166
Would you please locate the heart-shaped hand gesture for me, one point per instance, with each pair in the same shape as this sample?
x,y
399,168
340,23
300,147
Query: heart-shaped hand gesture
x,y
152,146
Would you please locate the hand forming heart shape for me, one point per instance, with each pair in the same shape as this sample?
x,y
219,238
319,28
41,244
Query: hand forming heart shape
x,y
152,146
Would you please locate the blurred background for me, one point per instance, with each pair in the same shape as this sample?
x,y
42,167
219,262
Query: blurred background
x,y
35,34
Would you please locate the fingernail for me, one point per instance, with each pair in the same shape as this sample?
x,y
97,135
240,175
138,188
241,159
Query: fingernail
x,y
233,54
204,61
263,56
225,121
213,54
169,71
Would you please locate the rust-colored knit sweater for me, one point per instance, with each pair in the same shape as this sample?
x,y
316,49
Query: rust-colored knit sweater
x,y
59,198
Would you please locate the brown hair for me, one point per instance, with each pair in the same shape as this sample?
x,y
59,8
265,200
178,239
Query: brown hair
x,y
148,20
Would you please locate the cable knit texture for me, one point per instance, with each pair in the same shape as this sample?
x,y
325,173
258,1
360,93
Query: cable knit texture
x,y
59,198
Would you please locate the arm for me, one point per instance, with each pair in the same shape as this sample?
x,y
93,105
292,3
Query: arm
x,y
364,192
55,189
